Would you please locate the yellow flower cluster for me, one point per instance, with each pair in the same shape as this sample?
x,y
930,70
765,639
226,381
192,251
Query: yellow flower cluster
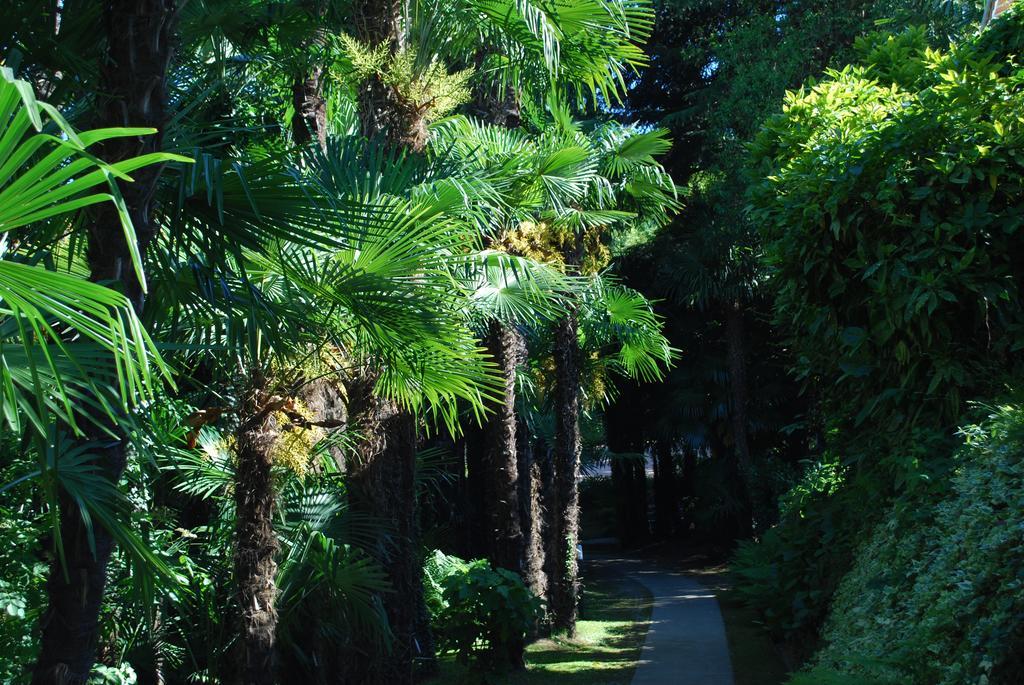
x,y
294,449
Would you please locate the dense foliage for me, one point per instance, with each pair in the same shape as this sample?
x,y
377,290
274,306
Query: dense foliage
x,y
733,417
293,292
935,593
891,211
486,611
888,195
245,323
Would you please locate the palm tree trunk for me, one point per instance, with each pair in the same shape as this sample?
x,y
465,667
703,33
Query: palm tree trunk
x,y
381,112
382,479
139,49
69,625
665,499
505,545
531,514
381,485
500,467
309,119
564,583
255,540
504,479
544,458
738,389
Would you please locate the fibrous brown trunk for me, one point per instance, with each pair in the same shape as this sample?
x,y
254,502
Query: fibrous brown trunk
x,y
255,541
381,486
139,49
69,625
563,585
382,112
498,107
506,483
738,390
531,514
309,120
382,477
544,458
500,465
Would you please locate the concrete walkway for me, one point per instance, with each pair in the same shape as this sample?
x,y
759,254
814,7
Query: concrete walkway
x,y
686,643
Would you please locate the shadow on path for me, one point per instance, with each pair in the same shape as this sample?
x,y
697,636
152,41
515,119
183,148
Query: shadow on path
x,y
686,643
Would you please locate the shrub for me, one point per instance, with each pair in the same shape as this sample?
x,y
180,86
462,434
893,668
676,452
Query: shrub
x,y
109,675
890,208
486,613
936,595
789,575
437,568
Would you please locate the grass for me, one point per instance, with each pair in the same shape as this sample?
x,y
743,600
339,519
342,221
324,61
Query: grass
x,y
613,623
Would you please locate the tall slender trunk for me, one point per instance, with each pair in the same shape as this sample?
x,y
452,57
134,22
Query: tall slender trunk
x,y
70,623
382,480
564,584
738,390
309,119
381,483
255,541
504,479
531,514
666,505
544,456
139,49
500,467
382,112
505,544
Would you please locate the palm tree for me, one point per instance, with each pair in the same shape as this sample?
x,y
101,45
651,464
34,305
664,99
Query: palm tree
x,y
520,51
617,181
373,293
76,358
133,74
353,266
119,233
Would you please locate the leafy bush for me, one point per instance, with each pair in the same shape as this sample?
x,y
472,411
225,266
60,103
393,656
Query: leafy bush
x,y
890,207
107,675
936,595
437,568
789,575
24,569
485,613
889,202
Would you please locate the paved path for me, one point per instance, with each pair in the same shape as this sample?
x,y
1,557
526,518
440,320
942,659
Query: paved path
x,y
686,643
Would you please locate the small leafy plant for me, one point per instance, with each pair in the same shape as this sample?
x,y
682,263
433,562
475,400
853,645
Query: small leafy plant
x,y
487,611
